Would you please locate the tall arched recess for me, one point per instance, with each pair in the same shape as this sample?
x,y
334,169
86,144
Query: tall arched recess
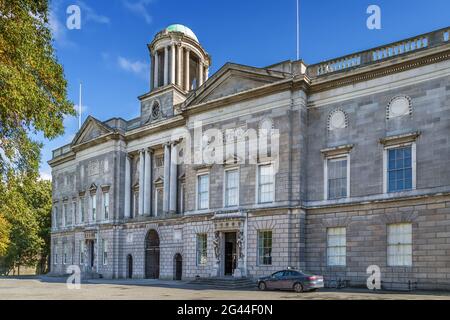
x,y
152,255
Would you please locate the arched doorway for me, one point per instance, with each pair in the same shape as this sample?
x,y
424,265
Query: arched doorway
x,y
177,267
129,266
152,255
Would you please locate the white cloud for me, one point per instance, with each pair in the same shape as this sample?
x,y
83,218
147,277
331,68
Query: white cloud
x,y
136,67
89,14
140,8
58,29
45,175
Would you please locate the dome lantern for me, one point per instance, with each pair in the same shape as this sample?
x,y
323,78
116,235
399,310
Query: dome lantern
x,y
178,59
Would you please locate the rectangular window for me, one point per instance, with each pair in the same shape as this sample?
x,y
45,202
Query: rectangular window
x,y
337,178
202,254
55,217
105,252
159,201
65,214
336,246
82,217
399,166
94,207
106,205
182,192
265,184
203,191
136,203
82,252
265,247
64,253
399,249
231,188
73,213
55,258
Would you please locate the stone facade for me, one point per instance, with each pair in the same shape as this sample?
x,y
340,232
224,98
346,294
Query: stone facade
x,y
150,219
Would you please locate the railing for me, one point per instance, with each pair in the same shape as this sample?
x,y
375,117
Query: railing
x,y
378,54
62,150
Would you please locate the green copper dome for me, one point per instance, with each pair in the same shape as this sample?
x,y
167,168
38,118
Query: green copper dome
x,y
183,29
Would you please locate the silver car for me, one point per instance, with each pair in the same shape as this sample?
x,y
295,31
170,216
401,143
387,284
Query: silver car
x,y
291,280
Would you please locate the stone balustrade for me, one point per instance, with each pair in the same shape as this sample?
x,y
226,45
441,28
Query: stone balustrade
x,y
422,42
61,151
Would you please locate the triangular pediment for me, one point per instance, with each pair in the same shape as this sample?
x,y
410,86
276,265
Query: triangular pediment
x,y
90,130
233,79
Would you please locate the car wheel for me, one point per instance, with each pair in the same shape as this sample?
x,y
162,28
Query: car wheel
x,y
298,287
262,286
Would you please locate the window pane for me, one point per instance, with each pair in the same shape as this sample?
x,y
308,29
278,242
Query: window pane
x,y
337,178
336,246
399,248
202,257
265,247
231,188
399,169
203,192
266,184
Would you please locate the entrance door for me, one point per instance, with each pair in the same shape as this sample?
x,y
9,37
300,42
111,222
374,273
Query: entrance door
x,y
178,266
152,255
130,266
230,253
91,254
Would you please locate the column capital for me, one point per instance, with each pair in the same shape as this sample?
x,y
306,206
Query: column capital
x,y
150,150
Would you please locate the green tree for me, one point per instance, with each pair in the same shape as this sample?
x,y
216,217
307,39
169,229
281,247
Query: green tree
x,y
25,244
38,196
5,228
33,90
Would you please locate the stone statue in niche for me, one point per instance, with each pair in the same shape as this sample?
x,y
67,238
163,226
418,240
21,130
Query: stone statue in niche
x,y
216,245
240,243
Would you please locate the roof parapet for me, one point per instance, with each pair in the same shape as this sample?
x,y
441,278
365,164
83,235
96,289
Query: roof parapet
x,y
375,55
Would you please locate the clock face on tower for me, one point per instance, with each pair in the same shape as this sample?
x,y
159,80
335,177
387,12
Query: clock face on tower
x,y
156,110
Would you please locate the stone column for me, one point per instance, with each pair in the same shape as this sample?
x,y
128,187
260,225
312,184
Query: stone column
x,y
172,64
173,179
201,69
206,73
180,66
147,182
166,178
186,70
152,71
127,186
166,66
141,181
156,70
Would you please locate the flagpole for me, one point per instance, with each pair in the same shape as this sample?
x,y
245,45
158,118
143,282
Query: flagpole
x,y
298,29
79,110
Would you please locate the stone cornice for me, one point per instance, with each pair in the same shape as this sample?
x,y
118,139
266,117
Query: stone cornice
x,y
169,123
399,139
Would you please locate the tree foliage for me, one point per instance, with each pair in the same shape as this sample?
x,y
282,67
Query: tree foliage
x,y
33,90
5,228
26,206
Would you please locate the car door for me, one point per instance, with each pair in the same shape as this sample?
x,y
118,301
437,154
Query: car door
x,y
287,279
275,281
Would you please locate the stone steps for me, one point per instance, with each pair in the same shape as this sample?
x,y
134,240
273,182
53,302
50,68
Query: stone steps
x,y
225,283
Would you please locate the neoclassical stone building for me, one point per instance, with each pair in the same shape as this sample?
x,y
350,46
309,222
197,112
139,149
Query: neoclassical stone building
x,y
360,176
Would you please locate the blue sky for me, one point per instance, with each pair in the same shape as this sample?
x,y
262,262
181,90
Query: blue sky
x,y
109,53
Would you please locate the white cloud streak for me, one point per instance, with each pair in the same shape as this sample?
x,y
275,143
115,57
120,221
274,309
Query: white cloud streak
x,y
135,67
140,8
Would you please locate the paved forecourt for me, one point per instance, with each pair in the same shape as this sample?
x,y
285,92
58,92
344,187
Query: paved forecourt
x,y
33,288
